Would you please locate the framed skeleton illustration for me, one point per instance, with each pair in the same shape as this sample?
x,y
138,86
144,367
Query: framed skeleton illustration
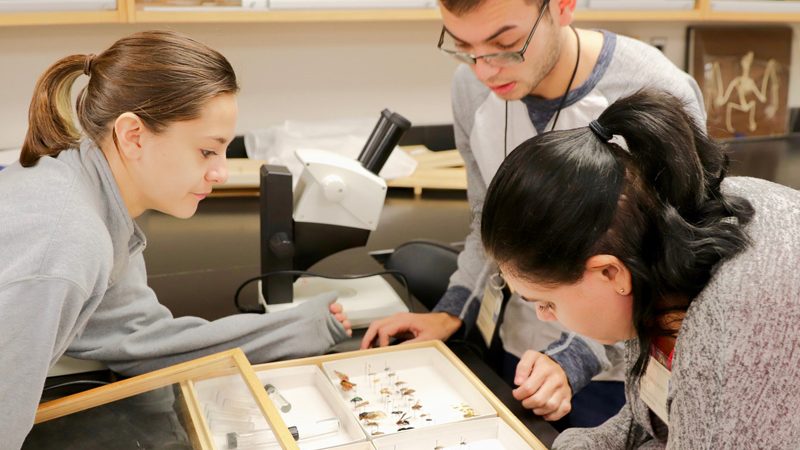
x,y
743,74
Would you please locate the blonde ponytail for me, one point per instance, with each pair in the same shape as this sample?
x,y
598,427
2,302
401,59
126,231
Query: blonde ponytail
x,y
161,76
51,127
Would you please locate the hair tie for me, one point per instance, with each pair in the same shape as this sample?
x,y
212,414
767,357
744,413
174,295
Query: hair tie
x,y
87,64
600,131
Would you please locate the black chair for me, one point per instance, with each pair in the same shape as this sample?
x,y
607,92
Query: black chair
x,y
427,266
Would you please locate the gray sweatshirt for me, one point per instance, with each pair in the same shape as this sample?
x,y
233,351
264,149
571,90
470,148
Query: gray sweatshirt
x,y
736,369
624,66
73,281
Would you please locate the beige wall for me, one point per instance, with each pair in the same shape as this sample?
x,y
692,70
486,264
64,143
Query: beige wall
x,y
292,71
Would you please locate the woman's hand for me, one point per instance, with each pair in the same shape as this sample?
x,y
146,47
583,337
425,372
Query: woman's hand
x,y
543,386
338,312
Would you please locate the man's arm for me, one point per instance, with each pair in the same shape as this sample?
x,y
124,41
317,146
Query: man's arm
x,y
459,305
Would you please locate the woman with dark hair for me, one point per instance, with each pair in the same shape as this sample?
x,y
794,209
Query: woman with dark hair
x,y
157,114
627,230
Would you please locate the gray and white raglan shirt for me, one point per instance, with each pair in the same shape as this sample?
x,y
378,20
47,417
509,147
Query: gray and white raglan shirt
x,y
73,281
735,371
624,66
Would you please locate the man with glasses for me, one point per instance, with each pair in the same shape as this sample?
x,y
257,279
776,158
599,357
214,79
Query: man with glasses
x,y
527,71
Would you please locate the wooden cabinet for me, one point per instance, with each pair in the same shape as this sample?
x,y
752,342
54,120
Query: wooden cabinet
x,y
132,11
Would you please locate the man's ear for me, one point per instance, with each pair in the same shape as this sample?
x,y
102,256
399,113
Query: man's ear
x,y
129,128
565,12
611,270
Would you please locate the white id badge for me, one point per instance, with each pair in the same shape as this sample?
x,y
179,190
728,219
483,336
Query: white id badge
x,y
654,387
492,304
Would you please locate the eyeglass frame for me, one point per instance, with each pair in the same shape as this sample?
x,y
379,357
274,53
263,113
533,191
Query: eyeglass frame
x,y
472,59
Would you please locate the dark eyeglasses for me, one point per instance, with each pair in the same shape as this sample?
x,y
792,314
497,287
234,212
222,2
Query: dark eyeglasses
x,y
501,59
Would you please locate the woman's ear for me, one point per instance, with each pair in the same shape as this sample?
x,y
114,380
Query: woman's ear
x,y
129,128
611,270
565,11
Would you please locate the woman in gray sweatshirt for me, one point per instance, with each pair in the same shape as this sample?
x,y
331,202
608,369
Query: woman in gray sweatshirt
x,y
157,114
627,230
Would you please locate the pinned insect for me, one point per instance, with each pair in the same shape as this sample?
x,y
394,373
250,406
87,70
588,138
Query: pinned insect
x,y
341,375
402,420
405,428
407,391
362,404
372,415
344,381
416,405
466,410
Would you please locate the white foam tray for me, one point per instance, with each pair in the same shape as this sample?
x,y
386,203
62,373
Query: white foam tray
x,y
305,387
442,391
482,434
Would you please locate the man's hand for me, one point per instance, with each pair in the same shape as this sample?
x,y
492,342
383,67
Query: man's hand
x,y
418,327
543,386
338,313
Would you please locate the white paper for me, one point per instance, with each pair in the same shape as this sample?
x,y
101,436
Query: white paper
x,y
57,5
761,6
350,4
638,5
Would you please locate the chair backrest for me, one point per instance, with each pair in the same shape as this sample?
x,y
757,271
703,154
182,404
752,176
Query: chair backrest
x,y
427,266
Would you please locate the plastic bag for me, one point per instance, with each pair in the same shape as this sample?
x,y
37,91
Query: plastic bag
x,y
346,137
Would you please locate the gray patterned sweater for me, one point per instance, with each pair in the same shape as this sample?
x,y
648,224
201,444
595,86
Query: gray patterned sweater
x,y
736,370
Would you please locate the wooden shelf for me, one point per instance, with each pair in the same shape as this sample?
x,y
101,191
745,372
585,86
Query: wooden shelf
x,y
61,18
638,16
751,17
380,15
129,12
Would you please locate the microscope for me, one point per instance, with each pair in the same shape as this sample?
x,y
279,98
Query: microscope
x,y
335,205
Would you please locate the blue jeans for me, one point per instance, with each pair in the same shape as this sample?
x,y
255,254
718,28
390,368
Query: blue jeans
x,y
591,406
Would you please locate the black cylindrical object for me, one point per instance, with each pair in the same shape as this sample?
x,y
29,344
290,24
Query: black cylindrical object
x,y
375,137
397,126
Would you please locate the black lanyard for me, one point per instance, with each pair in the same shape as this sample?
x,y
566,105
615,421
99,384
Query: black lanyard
x,y
563,97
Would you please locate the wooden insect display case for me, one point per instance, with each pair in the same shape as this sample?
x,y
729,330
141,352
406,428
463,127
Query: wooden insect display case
x,y
416,396
157,410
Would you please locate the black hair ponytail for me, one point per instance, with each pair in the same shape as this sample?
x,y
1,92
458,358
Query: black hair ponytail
x,y
657,205
694,226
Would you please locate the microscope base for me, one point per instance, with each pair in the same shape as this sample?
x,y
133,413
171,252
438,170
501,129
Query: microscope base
x,y
363,299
